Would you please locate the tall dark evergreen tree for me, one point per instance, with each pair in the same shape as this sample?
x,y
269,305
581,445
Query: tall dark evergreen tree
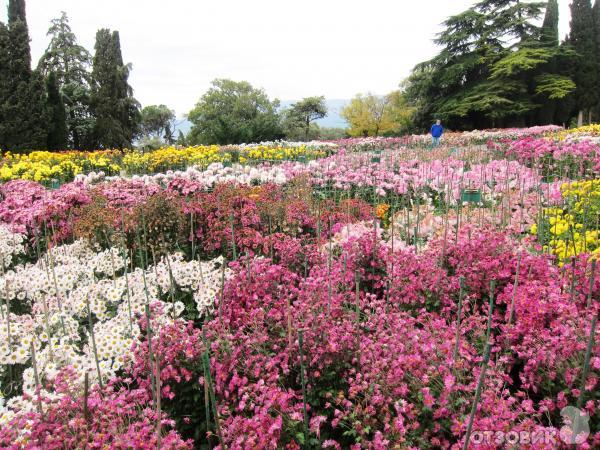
x,y
57,127
116,110
33,125
549,33
596,17
70,62
20,52
23,105
5,82
582,40
16,11
549,39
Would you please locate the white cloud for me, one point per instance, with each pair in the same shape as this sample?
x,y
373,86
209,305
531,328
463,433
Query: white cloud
x,y
292,49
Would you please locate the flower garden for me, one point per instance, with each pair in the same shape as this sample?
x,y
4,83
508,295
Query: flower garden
x,y
363,293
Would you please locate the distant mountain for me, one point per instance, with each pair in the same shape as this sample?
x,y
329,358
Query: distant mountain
x,y
333,119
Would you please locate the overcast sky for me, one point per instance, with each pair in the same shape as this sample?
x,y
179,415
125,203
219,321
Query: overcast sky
x,y
292,49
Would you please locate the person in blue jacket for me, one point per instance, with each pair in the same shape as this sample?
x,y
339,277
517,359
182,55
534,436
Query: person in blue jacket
x,y
436,132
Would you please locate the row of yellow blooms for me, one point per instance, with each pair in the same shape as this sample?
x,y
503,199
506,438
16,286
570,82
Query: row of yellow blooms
x,y
573,228
64,166
586,130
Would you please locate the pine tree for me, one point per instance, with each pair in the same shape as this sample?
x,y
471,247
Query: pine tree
x,y
116,111
582,40
57,129
70,62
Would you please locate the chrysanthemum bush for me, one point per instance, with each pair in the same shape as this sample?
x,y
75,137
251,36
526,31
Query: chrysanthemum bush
x,y
379,360
379,337
117,416
343,303
12,247
571,227
48,167
53,307
554,158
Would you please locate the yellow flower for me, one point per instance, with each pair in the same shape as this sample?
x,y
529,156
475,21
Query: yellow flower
x,y
534,229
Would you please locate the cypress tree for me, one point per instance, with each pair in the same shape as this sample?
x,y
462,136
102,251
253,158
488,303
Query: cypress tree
x,y
57,127
549,39
23,95
582,39
5,82
116,111
20,53
596,18
33,128
16,11
550,25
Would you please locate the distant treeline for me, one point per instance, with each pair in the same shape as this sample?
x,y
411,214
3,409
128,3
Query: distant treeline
x,y
502,65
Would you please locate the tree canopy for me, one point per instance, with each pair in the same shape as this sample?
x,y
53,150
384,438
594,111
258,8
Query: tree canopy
x,y
234,112
23,108
372,115
497,67
112,102
70,62
157,122
301,114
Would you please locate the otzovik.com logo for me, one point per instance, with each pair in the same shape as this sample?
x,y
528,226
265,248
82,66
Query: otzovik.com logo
x,y
575,430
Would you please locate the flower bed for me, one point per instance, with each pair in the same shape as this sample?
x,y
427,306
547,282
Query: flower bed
x,y
369,299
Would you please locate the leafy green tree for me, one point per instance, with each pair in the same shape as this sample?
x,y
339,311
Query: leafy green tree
x,y
23,108
492,70
294,131
306,111
582,40
234,112
57,127
157,121
112,102
330,134
71,63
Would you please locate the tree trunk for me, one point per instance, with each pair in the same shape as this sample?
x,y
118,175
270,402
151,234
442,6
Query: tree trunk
x,y
76,143
580,118
590,116
307,129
